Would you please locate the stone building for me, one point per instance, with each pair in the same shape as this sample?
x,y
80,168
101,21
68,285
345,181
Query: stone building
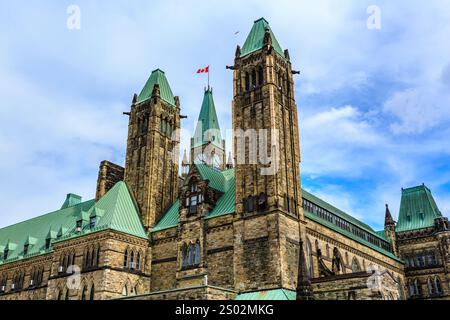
x,y
239,229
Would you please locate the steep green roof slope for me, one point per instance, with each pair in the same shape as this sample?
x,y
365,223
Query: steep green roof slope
x,y
417,209
255,38
208,129
115,211
157,77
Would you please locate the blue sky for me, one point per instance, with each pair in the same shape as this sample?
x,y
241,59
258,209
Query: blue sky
x,y
374,105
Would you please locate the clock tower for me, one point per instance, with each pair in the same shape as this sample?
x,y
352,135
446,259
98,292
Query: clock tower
x,y
207,145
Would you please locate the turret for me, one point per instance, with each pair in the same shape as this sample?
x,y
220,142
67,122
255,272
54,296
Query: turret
x,y
389,230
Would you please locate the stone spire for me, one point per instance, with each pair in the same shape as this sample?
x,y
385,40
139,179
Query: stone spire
x,y
304,289
388,220
185,165
230,162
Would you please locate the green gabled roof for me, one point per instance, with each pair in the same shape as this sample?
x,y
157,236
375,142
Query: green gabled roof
x,y
336,211
170,218
208,129
417,209
222,181
39,228
116,210
216,178
157,77
119,214
277,294
255,39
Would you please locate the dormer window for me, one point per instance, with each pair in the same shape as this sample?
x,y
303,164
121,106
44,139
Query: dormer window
x,y
194,198
5,254
25,249
92,222
79,225
48,242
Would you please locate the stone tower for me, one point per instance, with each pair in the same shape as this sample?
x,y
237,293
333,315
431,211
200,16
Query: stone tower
x,y
268,193
389,230
151,165
207,145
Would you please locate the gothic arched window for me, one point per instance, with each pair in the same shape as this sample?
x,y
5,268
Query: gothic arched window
x,y
431,286
247,82
83,294
197,253
191,254
438,286
91,296
138,261
262,202
355,265
132,266
125,291
125,259
260,76
184,255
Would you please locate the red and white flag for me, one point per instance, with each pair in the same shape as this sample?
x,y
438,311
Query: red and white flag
x,y
205,70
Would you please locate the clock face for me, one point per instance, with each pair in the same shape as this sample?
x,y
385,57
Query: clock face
x,y
200,158
217,163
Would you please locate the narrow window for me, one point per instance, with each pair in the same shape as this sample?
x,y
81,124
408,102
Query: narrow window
x,y
197,253
138,261
47,243
25,249
132,260
125,259
91,297
92,222
83,294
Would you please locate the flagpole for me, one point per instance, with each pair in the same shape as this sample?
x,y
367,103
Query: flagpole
x,y
208,77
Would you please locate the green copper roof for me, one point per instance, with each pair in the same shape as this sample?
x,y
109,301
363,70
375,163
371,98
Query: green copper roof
x,y
170,218
157,77
115,211
255,38
71,200
208,129
382,234
336,211
417,209
222,181
277,294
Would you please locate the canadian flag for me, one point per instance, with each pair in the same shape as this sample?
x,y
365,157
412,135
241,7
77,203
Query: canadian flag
x,y
205,70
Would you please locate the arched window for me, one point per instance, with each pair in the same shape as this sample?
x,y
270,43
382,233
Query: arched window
x,y
411,288
430,286
83,293
91,296
249,205
355,265
438,286
191,254
260,76
125,259
66,297
97,262
337,261
87,261
262,202
247,82
93,258
138,261
184,255
417,287
197,253
253,79
132,266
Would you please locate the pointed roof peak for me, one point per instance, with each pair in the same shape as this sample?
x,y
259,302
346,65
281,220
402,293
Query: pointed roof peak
x,y
208,128
255,39
388,217
157,77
